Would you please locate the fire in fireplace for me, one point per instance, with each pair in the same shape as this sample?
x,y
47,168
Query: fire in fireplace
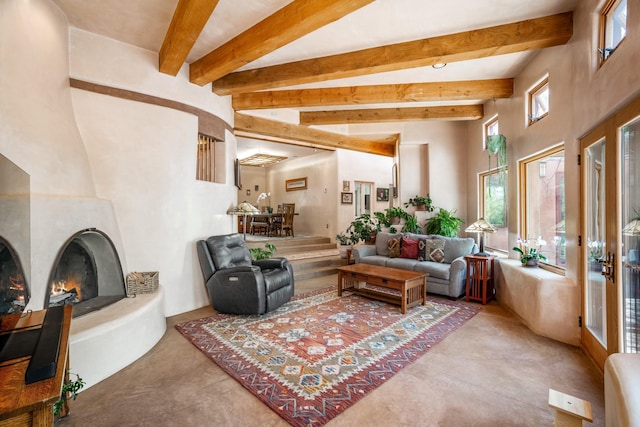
x,y
87,274
14,292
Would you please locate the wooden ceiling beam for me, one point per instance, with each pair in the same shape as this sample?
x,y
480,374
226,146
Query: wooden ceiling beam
x,y
520,36
379,115
187,23
293,21
256,125
375,94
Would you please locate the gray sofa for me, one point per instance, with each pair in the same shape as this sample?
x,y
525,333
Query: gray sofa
x,y
445,278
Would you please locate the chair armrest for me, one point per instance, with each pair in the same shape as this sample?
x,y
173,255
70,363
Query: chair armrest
x,y
270,263
363,251
457,275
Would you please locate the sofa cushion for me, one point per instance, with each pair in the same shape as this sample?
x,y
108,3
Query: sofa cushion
x,y
382,241
409,248
456,247
435,269
394,247
431,250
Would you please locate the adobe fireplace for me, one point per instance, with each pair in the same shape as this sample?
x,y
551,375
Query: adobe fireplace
x,y
14,292
87,274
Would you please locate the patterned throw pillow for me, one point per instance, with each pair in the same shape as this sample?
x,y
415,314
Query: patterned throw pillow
x,y
433,250
409,248
393,245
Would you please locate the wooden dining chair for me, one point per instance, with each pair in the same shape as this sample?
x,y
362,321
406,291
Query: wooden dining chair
x,y
259,222
288,210
276,222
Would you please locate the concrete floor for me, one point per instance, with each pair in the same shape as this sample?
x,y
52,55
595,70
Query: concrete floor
x,y
493,371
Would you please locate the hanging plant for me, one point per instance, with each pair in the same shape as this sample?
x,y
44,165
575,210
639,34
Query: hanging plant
x,y
497,146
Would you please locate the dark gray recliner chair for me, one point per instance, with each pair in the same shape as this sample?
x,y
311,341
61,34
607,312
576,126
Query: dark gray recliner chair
x,y
238,285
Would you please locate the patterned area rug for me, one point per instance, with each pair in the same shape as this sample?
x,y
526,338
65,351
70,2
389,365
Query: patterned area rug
x,y
319,354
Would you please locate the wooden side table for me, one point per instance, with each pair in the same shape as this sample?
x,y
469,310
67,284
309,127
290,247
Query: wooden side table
x,y
480,286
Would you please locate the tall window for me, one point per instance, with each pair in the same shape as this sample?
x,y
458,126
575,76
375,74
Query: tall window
x,y
210,154
538,101
613,27
493,207
542,203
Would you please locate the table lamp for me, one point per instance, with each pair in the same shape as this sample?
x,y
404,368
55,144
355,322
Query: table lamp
x,y
633,229
243,209
481,226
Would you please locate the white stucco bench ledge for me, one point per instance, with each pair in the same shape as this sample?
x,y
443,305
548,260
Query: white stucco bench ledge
x,y
622,390
548,303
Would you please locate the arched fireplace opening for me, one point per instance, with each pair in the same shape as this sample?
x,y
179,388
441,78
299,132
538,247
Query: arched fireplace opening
x,y
14,292
87,274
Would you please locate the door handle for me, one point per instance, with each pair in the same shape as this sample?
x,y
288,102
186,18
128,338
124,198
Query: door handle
x,y
609,267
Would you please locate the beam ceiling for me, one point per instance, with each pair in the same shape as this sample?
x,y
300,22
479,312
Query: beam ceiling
x,y
187,23
509,38
293,21
375,94
251,124
380,115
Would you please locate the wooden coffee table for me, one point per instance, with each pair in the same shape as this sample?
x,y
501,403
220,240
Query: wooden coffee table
x,y
393,285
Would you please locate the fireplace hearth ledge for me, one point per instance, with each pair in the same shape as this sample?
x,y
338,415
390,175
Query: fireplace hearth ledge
x,y
106,341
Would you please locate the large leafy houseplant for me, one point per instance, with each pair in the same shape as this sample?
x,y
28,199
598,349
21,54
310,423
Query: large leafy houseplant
x,y
444,223
363,228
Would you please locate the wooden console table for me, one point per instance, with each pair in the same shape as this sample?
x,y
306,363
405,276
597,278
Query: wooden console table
x,y
393,285
480,283
24,404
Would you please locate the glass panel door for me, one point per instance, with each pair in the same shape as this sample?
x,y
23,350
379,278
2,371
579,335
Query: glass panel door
x,y
630,221
595,214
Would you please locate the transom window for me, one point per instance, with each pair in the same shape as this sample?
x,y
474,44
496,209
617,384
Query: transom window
x,y
542,204
613,27
539,101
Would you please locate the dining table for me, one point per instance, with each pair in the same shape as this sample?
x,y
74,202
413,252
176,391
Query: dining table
x,y
269,218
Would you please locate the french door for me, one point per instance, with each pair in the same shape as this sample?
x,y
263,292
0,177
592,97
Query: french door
x,y
610,250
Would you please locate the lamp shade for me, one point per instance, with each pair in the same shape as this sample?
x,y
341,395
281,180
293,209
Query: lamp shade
x,y
243,208
481,226
632,229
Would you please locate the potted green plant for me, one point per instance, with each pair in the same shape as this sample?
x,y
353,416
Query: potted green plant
x,y
259,253
421,203
345,242
364,228
444,223
70,389
529,251
411,225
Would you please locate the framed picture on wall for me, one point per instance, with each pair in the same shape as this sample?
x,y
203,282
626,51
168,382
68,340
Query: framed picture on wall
x,y
346,186
296,184
347,198
382,194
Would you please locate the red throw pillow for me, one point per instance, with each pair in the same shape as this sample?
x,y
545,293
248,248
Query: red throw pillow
x,y
409,248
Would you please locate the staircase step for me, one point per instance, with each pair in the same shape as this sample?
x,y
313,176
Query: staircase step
x,y
309,268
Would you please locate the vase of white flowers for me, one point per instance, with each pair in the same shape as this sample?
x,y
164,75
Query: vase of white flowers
x,y
529,251
267,197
